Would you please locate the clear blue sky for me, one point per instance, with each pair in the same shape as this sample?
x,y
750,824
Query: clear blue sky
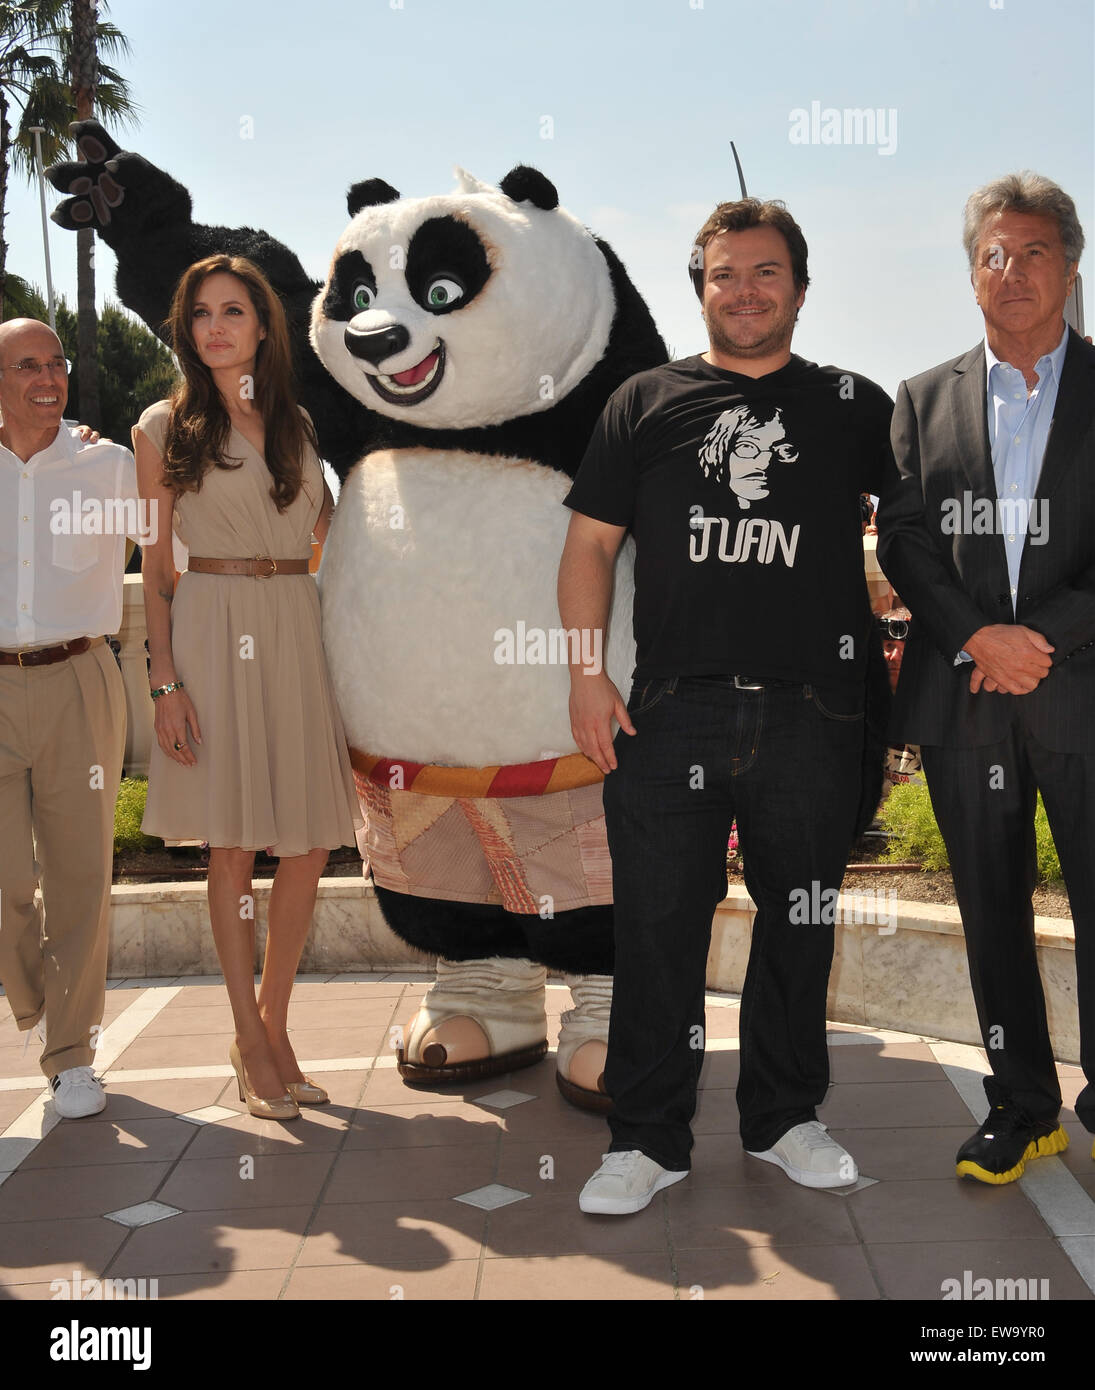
x,y
639,99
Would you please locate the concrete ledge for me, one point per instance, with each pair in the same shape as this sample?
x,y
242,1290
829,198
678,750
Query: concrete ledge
x,y
912,978
162,929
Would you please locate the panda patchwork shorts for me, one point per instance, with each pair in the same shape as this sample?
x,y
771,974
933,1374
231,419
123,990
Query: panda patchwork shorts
x,y
486,835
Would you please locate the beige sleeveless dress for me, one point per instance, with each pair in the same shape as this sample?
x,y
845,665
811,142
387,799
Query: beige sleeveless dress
x,y
272,769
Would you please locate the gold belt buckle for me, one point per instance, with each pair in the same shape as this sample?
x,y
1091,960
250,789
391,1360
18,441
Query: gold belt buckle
x,y
19,659
271,562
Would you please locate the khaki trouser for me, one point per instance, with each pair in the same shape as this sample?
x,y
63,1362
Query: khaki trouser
x,y
62,738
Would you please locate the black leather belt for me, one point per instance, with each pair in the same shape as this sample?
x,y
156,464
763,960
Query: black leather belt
x,y
745,682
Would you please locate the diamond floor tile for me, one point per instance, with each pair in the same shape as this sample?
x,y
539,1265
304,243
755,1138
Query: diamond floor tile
x,y
143,1214
491,1197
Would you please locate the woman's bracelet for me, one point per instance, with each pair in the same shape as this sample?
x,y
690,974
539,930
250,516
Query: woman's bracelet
x,y
166,689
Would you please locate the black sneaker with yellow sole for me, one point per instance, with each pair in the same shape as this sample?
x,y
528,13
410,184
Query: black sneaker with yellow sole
x,y
999,1151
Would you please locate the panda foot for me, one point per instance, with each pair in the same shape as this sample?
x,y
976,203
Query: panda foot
x,y
454,1042
584,1084
583,1044
481,1018
443,1072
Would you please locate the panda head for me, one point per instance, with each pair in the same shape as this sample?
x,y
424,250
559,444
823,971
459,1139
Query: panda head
x,y
464,309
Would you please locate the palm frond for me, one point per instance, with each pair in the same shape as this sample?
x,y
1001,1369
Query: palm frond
x,y
110,40
113,105
49,105
22,300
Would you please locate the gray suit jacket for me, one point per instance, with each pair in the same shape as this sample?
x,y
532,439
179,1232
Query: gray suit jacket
x,y
955,584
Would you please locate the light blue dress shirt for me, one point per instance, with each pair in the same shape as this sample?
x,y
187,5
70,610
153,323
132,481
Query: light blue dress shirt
x,y
1018,433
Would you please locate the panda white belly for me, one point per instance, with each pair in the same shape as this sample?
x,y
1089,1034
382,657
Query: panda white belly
x,y
440,619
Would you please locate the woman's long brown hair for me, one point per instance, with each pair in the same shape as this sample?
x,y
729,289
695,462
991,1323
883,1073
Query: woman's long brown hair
x,y
198,426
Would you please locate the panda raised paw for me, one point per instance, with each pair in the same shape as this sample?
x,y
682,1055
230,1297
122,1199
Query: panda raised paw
x,y
98,182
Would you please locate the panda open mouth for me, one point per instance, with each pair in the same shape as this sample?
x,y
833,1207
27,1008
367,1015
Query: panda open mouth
x,y
416,383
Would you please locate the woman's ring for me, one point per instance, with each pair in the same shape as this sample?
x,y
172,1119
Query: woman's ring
x,y
177,747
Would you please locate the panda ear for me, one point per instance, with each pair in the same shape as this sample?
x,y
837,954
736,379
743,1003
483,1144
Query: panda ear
x,y
369,193
526,185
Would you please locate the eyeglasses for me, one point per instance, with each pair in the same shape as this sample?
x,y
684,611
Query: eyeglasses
x,y
28,368
896,629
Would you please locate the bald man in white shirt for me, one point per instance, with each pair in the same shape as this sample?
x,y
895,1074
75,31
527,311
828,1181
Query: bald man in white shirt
x,y
65,510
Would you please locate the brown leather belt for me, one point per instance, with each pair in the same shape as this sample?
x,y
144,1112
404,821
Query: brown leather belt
x,y
261,567
46,656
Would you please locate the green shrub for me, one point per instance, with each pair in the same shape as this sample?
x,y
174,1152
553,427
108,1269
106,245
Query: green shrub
x,y
1049,865
907,814
128,810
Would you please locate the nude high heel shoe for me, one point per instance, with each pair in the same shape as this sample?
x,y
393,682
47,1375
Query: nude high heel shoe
x,y
306,1092
283,1108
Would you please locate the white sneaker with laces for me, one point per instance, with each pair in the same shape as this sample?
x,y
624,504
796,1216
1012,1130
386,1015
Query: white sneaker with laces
x,y
77,1093
625,1182
809,1156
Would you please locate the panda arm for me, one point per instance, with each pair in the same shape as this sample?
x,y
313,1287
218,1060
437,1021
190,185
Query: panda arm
x,y
144,216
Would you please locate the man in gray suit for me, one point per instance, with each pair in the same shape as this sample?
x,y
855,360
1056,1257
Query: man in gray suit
x,y
990,541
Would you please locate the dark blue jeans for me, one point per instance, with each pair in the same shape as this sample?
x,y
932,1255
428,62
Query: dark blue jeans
x,y
784,760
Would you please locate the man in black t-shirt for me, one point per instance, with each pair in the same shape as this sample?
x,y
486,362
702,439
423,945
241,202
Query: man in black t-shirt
x,y
738,473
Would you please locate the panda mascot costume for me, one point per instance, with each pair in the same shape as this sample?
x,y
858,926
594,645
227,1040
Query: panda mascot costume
x,y
454,362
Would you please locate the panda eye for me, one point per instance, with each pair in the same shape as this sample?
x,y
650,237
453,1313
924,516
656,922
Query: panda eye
x,y
443,292
363,298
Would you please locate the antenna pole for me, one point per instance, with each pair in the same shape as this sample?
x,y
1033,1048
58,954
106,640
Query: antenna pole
x,y
741,176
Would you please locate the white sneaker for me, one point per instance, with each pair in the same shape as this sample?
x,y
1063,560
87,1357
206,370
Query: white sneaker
x,y
38,1031
808,1155
625,1182
77,1093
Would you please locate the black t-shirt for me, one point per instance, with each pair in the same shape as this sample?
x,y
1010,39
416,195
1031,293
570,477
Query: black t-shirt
x,y
743,498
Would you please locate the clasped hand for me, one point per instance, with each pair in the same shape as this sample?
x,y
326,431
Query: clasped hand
x,y
1009,658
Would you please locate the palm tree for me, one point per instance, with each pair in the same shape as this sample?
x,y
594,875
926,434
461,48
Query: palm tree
x,y
44,43
29,57
83,64
96,89
56,97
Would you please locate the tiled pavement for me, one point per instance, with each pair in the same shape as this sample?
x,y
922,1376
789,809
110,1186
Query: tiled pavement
x,y
369,1197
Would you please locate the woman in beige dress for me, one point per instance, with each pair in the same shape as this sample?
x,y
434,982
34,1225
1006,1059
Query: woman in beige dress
x,y
251,753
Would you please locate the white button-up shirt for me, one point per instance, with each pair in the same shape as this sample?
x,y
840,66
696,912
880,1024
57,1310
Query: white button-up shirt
x,y
64,517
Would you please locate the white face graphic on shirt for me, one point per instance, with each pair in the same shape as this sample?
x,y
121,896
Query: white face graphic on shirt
x,y
738,449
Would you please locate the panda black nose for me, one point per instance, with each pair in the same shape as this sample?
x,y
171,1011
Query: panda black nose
x,y
377,343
